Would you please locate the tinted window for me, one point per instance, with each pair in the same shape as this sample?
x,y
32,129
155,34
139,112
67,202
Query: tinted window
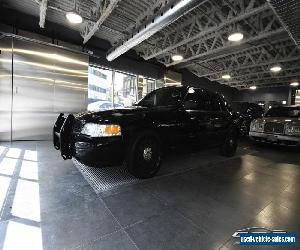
x,y
216,103
199,100
163,97
284,112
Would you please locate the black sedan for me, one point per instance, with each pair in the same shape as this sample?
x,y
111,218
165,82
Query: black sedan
x,y
137,135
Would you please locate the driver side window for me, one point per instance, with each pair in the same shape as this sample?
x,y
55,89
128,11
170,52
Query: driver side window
x,y
197,101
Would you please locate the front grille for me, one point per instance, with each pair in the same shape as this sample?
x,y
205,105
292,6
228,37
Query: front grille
x,y
274,128
77,126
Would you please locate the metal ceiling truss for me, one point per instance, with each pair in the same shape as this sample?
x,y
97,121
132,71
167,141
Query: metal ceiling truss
x,y
294,73
255,28
268,82
234,64
43,11
105,8
209,18
260,71
172,11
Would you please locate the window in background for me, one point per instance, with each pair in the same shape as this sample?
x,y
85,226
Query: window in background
x,y
297,97
100,89
145,86
124,90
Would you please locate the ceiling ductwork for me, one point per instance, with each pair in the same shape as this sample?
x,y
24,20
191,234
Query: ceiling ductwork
x,y
170,13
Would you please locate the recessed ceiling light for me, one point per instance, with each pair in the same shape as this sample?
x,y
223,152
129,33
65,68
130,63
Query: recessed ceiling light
x,y
235,37
294,84
275,68
226,77
74,17
177,58
253,87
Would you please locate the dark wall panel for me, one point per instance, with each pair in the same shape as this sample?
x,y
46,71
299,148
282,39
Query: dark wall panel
x,y
264,94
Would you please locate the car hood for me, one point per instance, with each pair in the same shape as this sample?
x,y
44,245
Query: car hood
x,y
115,115
285,120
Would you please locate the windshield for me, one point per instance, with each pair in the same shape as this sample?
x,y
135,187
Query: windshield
x,y
163,97
293,112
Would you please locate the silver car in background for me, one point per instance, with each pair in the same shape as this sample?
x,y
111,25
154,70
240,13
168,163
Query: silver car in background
x,y
280,125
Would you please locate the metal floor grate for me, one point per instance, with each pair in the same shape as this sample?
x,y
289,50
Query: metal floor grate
x,y
105,179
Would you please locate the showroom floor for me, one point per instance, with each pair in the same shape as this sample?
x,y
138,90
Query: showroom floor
x,y
197,202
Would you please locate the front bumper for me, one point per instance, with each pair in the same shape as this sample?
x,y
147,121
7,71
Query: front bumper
x,y
90,151
99,151
275,138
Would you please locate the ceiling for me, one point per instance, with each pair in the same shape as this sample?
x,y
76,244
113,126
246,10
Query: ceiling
x,y
271,32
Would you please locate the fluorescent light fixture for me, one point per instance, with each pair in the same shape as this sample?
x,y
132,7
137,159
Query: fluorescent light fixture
x,y
177,58
275,68
253,87
226,77
235,37
294,84
74,17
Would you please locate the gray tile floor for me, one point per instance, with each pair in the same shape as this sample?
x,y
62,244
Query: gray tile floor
x,y
198,200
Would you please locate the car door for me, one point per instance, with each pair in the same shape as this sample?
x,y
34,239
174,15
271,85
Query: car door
x,y
198,122
220,118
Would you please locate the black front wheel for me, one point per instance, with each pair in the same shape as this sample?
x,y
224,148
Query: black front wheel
x,y
145,156
230,144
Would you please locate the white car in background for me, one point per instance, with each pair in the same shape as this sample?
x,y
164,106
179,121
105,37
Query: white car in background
x,y
280,125
103,105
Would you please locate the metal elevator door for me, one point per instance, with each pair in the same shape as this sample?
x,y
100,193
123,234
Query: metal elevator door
x,y
33,90
46,81
5,88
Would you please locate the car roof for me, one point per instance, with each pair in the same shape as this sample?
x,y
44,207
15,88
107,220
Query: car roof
x,y
196,88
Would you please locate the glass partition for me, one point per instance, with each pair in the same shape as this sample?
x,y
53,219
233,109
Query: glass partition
x,y
110,89
145,86
100,89
124,90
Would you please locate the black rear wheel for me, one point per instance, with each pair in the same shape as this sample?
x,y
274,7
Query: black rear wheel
x,y
230,144
145,156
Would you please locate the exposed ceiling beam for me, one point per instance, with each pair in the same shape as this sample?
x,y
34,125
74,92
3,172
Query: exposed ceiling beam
x,y
43,12
221,72
263,26
253,80
86,18
219,38
281,52
265,71
171,12
269,84
229,56
105,11
264,84
198,24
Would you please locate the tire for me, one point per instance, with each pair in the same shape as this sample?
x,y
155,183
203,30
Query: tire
x,y
230,144
144,156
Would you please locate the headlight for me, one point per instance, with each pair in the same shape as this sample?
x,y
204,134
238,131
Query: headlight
x,y
101,130
256,126
291,129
